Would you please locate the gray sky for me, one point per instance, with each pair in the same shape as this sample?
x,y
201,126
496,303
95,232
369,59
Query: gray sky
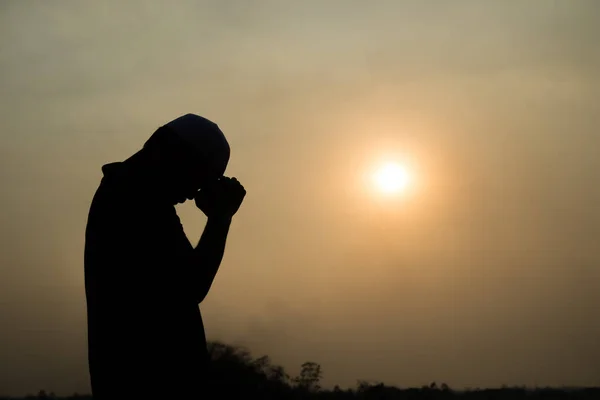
x,y
485,272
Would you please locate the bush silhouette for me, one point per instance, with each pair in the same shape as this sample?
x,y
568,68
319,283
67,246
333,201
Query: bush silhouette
x,y
235,373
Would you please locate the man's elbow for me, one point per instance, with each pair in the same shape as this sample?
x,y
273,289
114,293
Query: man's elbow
x,y
201,294
200,297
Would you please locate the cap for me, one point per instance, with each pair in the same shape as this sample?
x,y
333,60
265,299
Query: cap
x,y
204,136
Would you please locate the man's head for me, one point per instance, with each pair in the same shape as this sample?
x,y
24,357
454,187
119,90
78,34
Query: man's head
x,y
188,153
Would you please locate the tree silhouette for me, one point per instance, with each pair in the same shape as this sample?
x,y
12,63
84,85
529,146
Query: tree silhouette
x,y
310,377
235,373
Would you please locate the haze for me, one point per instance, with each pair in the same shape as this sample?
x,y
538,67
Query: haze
x,y
485,272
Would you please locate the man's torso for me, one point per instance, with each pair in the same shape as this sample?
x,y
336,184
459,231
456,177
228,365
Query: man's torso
x,y
144,327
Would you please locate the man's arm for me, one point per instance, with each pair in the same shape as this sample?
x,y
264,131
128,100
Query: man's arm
x,y
219,203
209,252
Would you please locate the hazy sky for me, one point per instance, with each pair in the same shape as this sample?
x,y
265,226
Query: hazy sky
x,y
487,271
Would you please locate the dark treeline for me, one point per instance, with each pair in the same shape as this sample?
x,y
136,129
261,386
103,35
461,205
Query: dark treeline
x,y
236,373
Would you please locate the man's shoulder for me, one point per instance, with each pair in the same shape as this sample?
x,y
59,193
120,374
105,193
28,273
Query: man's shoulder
x,y
118,188
112,200
115,201
110,197
118,198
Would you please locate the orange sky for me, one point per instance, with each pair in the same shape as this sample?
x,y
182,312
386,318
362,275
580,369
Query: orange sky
x,y
484,273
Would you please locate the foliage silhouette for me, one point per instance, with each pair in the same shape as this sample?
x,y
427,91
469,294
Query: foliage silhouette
x,y
236,373
310,377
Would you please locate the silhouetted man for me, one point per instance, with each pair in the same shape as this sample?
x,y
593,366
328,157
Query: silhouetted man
x,y
143,278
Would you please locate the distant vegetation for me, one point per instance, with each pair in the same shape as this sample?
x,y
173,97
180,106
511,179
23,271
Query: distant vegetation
x,y
238,374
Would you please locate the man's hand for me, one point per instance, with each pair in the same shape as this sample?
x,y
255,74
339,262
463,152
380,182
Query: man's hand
x,y
221,199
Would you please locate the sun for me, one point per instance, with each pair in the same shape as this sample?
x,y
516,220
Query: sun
x,y
391,178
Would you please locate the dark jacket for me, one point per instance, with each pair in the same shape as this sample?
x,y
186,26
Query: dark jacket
x,y
145,331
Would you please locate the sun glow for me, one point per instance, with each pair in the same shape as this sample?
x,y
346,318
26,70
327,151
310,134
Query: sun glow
x,y
391,178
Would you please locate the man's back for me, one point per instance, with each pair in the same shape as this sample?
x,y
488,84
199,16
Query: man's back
x,y
145,332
